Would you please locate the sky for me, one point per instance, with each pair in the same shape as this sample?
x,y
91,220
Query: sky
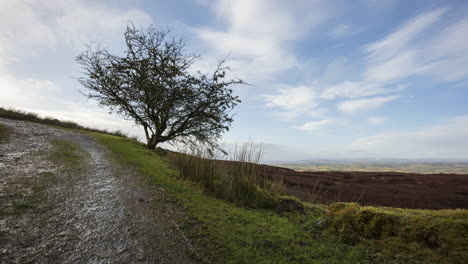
x,y
329,79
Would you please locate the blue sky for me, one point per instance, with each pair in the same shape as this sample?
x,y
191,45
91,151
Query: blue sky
x,y
330,79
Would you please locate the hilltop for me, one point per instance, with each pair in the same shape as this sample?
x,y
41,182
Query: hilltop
x,y
192,221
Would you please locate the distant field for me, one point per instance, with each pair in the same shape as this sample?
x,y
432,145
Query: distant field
x,y
423,167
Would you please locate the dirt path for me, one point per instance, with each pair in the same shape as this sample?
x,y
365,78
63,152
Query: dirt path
x,y
102,212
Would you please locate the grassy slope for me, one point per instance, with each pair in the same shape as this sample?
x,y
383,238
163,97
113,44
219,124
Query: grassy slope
x,y
226,233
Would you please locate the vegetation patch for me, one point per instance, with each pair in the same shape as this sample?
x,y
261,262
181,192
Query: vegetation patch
x,y
5,133
442,232
224,232
25,193
238,180
67,154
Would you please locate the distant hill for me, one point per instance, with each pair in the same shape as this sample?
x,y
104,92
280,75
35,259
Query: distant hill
x,y
379,165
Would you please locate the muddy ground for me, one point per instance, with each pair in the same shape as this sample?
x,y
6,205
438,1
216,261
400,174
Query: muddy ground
x,y
99,212
393,189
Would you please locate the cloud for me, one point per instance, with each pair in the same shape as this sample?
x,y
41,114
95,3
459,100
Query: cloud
x,y
52,31
270,152
313,126
343,30
420,47
391,45
352,90
48,24
27,92
360,105
377,120
23,31
257,34
445,140
293,101
80,22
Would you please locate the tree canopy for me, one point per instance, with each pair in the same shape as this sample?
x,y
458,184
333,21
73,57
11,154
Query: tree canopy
x,y
154,85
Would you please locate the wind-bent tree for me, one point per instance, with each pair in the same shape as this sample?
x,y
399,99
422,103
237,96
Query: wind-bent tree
x,y
153,85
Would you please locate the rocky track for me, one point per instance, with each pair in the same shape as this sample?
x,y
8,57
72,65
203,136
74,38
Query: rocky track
x,y
103,212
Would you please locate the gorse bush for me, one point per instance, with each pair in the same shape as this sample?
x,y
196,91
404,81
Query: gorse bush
x,y
236,179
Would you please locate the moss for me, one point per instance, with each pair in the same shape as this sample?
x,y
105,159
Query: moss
x,y
443,231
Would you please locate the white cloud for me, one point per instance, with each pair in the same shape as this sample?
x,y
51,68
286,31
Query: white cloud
x,y
445,140
293,101
413,50
257,34
352,90
270,151
359,105
80,22
56,28
23,31
338,69
44,24
343,30
313,126
28,92
409,51
391,45
377,120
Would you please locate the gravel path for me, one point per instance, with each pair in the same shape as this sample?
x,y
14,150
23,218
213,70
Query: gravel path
x,y
103,212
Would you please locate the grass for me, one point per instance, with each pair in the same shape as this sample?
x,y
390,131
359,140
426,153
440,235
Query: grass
x,y
238,180
223,232
441,234
4,133
67,154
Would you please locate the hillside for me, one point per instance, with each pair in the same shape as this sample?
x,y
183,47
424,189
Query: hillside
x,y
117,201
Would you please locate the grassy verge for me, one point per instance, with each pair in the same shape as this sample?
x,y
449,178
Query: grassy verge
x,y
4,133
223,232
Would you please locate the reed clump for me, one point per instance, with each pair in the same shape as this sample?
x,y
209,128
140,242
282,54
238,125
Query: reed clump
x,y
236,177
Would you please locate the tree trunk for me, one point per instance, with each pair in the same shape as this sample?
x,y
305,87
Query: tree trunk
x,y
152,142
